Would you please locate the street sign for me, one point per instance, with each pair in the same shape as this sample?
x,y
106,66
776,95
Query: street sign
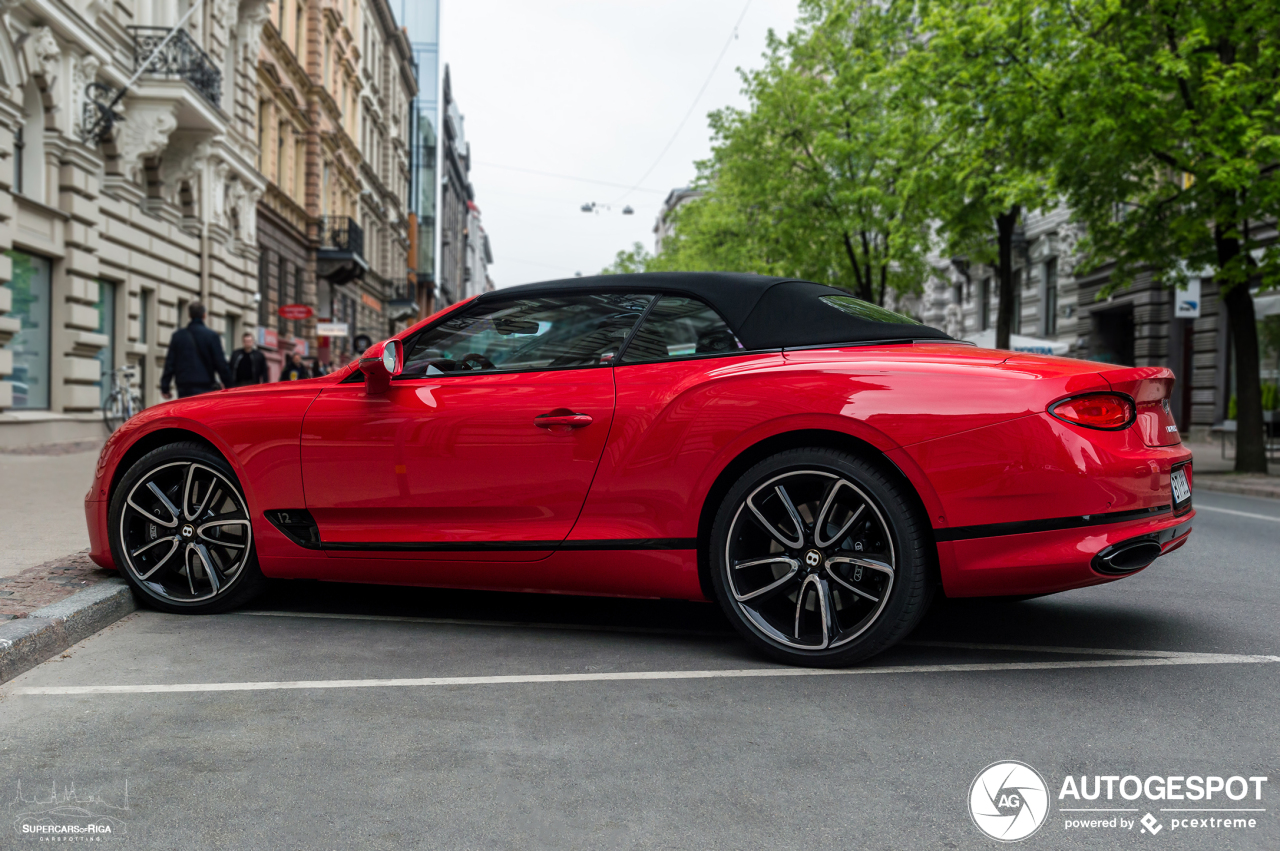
x,y
295,311
331,329
1186,303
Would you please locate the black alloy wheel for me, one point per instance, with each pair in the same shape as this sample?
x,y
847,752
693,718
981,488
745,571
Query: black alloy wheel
x,y
820,558
181,533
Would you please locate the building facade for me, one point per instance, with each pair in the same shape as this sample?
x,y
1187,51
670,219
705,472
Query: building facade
x,y
475,277
335,80
121,200
421,20
456,194
665,225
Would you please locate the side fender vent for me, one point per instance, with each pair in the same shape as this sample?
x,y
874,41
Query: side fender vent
x,y
298,526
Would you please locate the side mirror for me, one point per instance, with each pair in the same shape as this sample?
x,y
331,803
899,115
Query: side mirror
x,y
380,363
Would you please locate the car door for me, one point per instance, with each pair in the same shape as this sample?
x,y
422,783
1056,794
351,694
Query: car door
x,y
485,444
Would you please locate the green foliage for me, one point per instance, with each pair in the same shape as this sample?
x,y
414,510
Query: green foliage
x,y
626,262
822,175
1270,397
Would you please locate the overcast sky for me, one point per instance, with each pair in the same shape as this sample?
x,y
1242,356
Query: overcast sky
x,y
592,89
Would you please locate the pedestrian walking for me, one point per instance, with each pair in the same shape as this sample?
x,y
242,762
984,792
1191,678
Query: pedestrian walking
x,y
295,369
195,362
248,364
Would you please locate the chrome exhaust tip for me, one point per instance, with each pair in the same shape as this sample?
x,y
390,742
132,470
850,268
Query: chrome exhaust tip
x,y
1127,556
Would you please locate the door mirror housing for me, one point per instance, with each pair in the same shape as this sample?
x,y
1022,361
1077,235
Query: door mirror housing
x,y
380,363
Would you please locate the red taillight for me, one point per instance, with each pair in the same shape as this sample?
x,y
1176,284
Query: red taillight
x,y
1097,410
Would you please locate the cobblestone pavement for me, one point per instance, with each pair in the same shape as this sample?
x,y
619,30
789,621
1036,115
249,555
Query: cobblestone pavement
x,y
47,583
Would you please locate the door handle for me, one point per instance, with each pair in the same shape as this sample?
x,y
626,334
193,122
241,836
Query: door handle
x,y
562,417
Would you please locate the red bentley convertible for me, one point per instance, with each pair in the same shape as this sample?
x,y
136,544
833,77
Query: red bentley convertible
x,y
818,465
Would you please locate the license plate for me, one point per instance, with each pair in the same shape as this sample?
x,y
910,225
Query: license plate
x,y
1181,490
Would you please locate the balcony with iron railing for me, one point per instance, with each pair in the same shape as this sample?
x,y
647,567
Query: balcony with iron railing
x,y
340,253
180,57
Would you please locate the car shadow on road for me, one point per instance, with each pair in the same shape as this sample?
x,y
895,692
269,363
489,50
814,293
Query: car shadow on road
x,y
1054,621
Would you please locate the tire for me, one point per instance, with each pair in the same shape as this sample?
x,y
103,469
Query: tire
x,y
180,550
819,558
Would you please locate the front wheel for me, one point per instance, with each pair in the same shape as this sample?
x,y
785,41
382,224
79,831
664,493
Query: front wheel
x,y
819,558
181,533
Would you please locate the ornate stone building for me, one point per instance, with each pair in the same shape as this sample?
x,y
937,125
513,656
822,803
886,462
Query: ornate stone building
x,y
128,188
335,78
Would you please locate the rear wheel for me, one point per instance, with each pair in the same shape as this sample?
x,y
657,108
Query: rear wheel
x,y
819,558
181,532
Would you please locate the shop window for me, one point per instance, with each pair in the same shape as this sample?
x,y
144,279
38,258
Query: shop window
x,y
30,286
106,325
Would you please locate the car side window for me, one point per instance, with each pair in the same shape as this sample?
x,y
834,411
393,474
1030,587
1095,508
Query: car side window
x,y
679,327
528,334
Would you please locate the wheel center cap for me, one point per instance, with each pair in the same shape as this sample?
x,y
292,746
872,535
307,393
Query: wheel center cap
x,y
813,558
188,530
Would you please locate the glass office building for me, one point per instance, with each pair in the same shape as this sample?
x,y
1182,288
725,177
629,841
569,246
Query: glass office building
x,y
421,18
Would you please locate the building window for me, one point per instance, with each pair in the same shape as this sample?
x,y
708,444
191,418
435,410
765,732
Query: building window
x,y
262,133
264,291
144,315
30,286
229,74
1015,327
984,304
229,334
19,148
299,26
1051,297
106,325
282,292
297,298
282,131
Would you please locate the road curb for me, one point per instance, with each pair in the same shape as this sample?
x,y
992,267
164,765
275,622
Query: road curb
x,y
46,632
1265,491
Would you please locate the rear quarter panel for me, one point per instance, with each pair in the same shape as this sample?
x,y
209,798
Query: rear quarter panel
x,y
679,424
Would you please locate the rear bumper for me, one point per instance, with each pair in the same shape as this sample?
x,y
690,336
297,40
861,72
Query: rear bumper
x,y
1044,562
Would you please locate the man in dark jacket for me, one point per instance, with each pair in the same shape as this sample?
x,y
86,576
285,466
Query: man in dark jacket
x,y
195,361
294,369
248,365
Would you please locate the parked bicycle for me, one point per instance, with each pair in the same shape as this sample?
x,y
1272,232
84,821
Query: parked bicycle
x,y
123,401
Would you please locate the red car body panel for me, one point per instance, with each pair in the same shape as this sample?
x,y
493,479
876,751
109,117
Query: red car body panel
x,y
456,462
442,461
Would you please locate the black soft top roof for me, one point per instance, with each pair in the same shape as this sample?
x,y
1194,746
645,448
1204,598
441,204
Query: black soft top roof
x,y
764,312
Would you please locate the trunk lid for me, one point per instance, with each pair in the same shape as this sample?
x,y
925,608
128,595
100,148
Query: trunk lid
x,y
1152,389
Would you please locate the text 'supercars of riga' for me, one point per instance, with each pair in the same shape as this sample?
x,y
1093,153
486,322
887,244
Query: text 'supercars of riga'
x,y
817,465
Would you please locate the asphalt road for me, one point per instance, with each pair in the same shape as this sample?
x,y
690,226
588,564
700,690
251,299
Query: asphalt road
x,y
874,758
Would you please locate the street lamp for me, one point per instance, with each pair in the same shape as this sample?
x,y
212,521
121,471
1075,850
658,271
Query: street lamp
x,y
593,207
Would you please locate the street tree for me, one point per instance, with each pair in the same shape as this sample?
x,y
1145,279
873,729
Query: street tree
x,y
1170,151
993,164
1168,148
820,176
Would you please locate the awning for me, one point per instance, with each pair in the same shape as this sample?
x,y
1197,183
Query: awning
x,y
1018,343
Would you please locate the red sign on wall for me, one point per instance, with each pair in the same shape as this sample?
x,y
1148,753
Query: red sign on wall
x,y
294,311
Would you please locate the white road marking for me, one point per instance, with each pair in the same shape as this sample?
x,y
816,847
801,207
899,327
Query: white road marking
x,y
1238,513
518,679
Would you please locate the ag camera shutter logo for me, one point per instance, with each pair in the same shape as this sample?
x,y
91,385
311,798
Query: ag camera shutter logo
x,y
1008,800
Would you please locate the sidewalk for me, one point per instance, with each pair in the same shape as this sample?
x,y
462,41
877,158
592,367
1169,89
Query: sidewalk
x,y
42,503
1214,473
